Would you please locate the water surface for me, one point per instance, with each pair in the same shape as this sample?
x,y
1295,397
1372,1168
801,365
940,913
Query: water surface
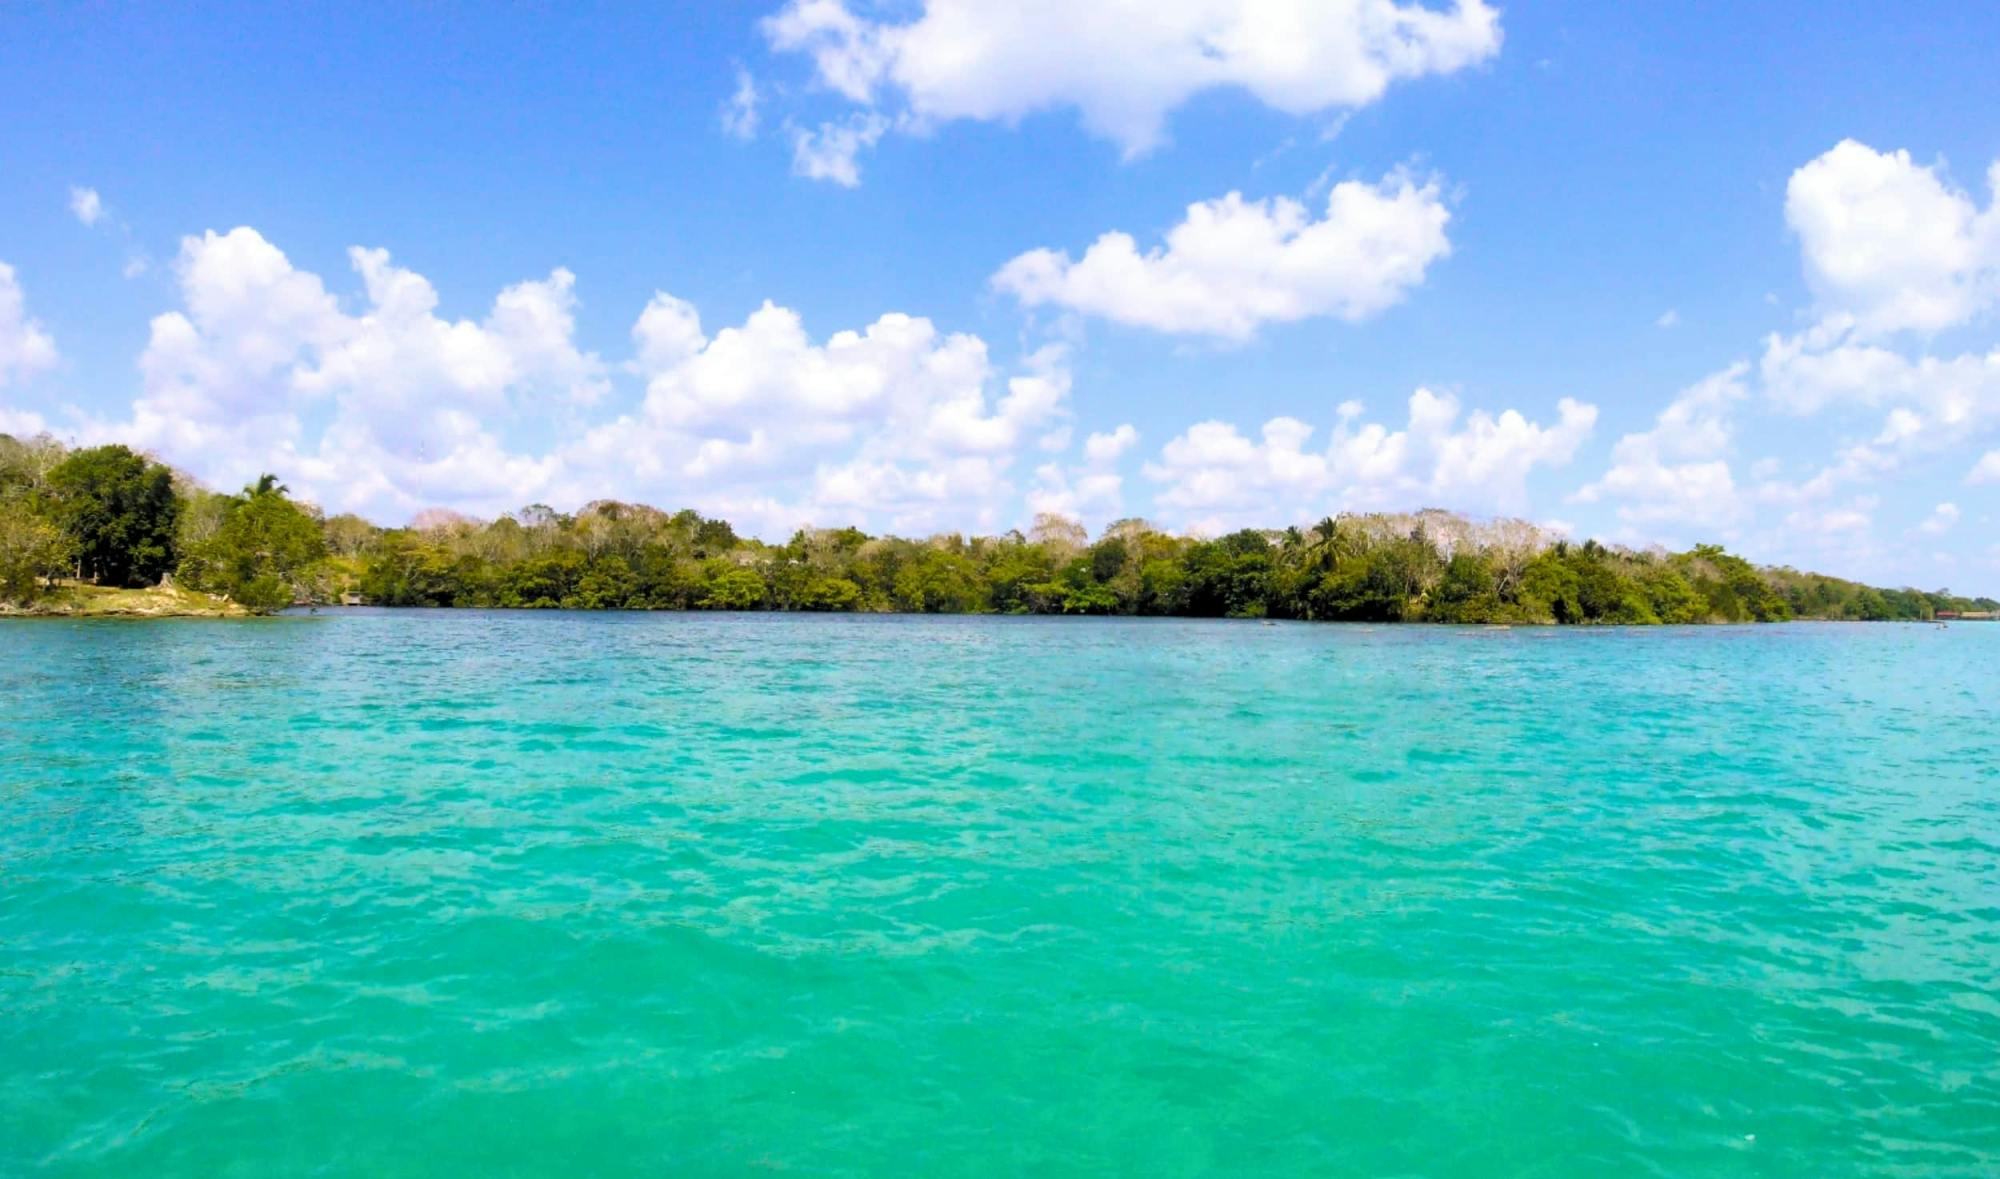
x,y
412,894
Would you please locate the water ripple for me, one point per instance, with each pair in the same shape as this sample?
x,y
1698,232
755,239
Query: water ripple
x,y
387,893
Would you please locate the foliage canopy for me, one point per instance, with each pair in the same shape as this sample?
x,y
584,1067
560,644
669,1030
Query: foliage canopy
x,y
118,518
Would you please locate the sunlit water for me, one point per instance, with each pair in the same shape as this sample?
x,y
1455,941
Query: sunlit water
x,y
508,894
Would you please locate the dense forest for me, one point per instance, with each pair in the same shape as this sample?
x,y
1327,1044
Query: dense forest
x,y
112,517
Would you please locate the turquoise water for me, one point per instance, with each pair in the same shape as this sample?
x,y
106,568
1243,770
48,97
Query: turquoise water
x,y
506,894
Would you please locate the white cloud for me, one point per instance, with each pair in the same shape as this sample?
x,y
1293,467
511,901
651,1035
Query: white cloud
x,y
1232,265
86,204
1851,519
1890,245
1678,471
1124,66
406,397
1094,488
1986,470
1932,403
25,347
391,407
739,114
896,422
387,407
1941,520
1669,318
1076,494
1676,481
1889,248
1214,473
1485,465
1105,448
21,423
828,152
667,334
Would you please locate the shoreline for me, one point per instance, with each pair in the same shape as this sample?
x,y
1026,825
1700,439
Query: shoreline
x,y
91,601
172,602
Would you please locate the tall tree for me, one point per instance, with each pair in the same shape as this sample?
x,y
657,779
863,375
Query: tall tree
x,y
1332,545
119,510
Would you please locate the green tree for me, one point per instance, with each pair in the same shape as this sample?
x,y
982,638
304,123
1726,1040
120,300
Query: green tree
x,y
1331,545
1548,591
1673,599
119,511
732,587
544,583
259,553
406,572
1871,606
1605,593
32,551
1228,577
1013,568
1465,593
608,583
938,582
830,594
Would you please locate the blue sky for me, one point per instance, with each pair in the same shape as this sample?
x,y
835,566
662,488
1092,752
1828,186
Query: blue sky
x,y
1720,272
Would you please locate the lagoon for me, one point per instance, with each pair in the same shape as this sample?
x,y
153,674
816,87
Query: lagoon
x,y
515,893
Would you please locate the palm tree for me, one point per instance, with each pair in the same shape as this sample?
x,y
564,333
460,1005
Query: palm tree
x,y
266,484
1332,545
1291,543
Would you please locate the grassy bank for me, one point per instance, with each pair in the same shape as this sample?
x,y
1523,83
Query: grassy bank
x,y
94,601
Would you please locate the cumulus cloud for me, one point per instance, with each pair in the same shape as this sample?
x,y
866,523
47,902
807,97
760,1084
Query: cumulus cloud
x,y
1677,480
1091,488
1125,66
1076,493
1890,250
1105,448
1807,372
1889,244
1929,403
380,403
392,407
405,396
1678,471
85,204
828,151
1214,475
1232,265
25,347
898,421
1986,470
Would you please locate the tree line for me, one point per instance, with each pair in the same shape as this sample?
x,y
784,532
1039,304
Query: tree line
x,y
110,516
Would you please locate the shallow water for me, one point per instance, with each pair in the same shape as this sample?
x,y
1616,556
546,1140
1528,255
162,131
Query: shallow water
x,y
391,893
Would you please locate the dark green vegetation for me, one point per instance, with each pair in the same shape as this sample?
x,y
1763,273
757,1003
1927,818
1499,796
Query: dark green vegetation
x,y
108,516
